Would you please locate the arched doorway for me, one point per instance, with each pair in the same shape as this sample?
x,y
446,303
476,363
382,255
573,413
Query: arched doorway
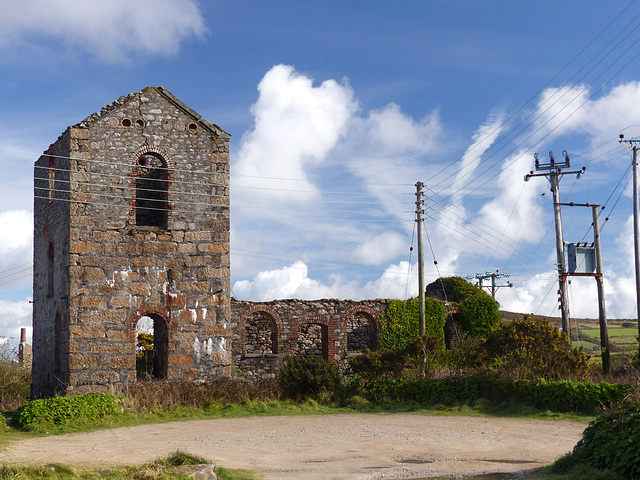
x,y
313,339
260,335
360,331
152,347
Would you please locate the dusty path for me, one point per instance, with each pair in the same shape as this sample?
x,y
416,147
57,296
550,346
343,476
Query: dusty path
x,y
332,447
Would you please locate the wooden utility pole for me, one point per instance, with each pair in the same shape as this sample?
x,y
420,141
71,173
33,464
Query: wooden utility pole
x,y
602,312
633,144
419,222
553,174
584,260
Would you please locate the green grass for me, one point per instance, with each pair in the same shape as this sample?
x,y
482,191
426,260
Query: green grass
x,y
622,340
161,469
289,408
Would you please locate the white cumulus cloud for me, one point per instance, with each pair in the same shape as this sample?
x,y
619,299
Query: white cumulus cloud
x,y
296,124
287,282
110,30
378,249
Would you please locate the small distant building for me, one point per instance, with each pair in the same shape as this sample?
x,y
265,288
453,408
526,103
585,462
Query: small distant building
x,y
131,220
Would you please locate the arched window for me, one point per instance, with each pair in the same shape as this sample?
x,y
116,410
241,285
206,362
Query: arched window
x,y
260,335
360,332
57,345
152,200
50,269
312,340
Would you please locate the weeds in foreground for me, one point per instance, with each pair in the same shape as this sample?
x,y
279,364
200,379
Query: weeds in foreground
x,y
168,468
154,395
15,379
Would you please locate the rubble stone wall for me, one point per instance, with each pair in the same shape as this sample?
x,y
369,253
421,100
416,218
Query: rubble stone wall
x,y
264,334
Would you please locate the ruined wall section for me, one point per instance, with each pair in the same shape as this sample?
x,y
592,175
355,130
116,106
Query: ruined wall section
x,y
120,271
51,267
266,333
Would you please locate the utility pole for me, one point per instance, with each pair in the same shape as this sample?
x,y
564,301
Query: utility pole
x,y
583,261
602,312
633,144
553,172
491,275
419,222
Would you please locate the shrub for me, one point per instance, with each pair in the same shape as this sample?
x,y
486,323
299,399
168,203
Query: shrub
x,y
144,356
611,441
386,362
15,379
61,411
479,314
533,349
452,289
567,395
462,358
164,395
309,377
560,396
441,391
402,322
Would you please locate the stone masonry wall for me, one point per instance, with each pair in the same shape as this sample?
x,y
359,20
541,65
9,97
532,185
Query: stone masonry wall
x,y
264,334
110,271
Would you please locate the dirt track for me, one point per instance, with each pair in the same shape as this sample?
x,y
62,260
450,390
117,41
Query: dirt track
x,y
371,447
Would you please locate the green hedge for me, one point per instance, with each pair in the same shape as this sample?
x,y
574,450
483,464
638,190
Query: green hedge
x,y
64,410
611,442
561,396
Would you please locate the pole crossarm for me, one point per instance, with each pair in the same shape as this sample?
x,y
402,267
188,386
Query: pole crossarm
x,y
493,276
576,274
571,204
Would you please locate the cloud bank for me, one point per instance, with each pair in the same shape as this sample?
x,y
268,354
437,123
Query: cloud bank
x,y
505,223
110,30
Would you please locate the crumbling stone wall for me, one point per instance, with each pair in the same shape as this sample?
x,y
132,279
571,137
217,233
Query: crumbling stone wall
x,y
131,219
264,334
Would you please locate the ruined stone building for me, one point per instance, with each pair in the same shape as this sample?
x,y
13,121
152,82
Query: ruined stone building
x,y
131,221
266,333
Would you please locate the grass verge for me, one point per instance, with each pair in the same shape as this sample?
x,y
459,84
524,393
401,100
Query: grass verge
x,y
255,408
175,466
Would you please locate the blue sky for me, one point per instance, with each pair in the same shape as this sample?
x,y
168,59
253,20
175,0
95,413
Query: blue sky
x,y
336,110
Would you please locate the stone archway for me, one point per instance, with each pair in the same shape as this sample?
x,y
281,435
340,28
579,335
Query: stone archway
x,y
260,334
361,326
152,347
313,336
360,333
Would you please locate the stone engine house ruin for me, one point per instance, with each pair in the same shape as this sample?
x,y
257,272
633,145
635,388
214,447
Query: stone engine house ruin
x,y
131,221
131,230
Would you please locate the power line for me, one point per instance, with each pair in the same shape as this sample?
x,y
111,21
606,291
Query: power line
x,y
535,95
548,121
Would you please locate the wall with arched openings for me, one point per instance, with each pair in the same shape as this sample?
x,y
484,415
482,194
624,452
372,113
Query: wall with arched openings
x,y
266,333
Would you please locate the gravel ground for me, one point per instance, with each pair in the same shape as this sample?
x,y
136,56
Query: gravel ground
x,y
327,447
